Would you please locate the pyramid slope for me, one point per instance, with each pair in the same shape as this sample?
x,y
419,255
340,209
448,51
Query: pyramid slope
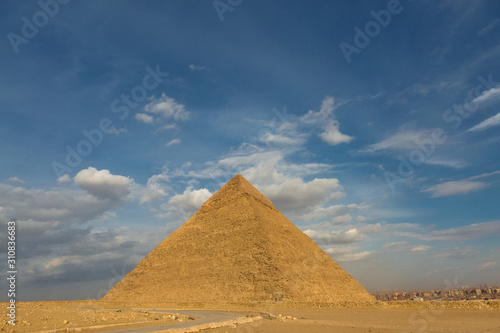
x,y
237,249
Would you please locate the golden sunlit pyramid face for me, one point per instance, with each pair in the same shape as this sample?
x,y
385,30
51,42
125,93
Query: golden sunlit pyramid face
x,y
237,249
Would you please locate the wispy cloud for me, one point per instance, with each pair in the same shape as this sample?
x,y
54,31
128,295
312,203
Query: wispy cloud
x,y
325,119
394,245
167,108
281,139
336,237
144,118
354,256
448,162
156,188
173,142
15,180
404,139
196,67
459,186
421,248
493,23
488,97
468,232
348,253
490,122
455,188
161,110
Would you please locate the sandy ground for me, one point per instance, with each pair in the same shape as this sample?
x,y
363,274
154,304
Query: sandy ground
x,y
373,321
384,317
45,316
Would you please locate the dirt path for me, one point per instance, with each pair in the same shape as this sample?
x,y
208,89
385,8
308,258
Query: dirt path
x,y
204,320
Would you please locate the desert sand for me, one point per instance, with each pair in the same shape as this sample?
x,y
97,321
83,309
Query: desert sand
x,y
93,316
374,321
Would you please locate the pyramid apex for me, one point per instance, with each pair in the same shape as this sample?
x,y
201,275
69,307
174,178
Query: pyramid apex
x,y
237,186
238,179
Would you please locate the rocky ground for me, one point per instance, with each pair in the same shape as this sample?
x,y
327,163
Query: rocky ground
x,y
90,315
404,316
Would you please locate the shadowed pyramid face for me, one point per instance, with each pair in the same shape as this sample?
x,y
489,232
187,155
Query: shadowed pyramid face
x,y
237,249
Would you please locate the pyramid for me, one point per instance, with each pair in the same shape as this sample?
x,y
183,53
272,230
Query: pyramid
x,y
237,249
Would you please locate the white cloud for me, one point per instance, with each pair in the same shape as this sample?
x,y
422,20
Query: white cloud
x,y
421,248
155,188
281,139
342,219
15,180
455,188
460,186
488,97
346,236
448,162
326,120
167,108
472,231
295,194
173,142
463,233
167,127
332,135
276,178
144,118
59,204
182,206
196,68
393,245
361,218
490,122
488,174
347,254
103,184
404,139
325,112
119,131
321,212
64,179
355,256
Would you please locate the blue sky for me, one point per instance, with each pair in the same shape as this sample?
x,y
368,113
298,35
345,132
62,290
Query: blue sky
x,y
373,126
